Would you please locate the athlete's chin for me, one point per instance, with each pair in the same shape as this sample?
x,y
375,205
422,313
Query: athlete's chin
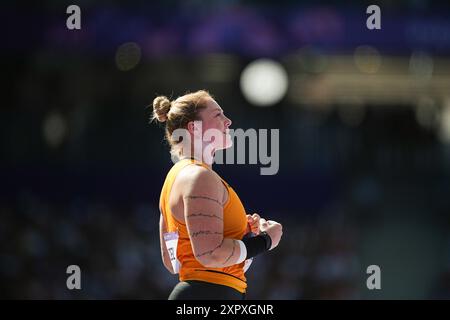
x,y
224,146
226,143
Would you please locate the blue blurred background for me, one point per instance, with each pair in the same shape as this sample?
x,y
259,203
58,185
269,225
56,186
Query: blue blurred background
x,y
364,120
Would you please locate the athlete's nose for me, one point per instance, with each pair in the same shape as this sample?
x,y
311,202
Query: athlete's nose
x,y
228,122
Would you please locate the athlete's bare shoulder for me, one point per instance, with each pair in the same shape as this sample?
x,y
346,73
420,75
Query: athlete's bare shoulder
x,y
199,178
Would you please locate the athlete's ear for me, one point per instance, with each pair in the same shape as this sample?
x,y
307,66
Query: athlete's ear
x,y
195,127
190,127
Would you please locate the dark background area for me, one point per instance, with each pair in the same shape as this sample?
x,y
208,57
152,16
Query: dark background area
x,y
364,143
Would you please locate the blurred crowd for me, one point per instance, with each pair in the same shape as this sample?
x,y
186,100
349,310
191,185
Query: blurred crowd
x,y
117,250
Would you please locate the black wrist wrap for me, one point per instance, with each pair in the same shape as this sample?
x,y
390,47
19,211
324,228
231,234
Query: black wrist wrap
x,y
258,244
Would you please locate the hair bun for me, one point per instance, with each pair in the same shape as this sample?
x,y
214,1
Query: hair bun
x,y
161,107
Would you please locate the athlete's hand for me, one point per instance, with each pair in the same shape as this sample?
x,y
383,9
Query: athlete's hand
x,y
253,223
273,229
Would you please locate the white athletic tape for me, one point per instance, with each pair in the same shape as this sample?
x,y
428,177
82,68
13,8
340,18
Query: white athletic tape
x,y
243,251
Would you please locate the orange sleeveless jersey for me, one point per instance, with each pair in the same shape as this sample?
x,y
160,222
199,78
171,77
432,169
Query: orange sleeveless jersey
x,y
234,223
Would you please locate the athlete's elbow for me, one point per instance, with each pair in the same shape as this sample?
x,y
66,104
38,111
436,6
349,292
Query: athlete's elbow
x,y
204,261
208,261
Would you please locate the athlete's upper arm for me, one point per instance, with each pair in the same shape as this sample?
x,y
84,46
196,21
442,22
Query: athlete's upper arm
x,y
203,211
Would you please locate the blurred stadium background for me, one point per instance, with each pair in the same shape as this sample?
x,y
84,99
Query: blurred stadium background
x,y
364,119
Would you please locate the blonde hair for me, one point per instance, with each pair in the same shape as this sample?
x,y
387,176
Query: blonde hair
x,y
179,112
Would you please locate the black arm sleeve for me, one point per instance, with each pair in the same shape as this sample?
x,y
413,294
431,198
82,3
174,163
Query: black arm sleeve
x,y
258,244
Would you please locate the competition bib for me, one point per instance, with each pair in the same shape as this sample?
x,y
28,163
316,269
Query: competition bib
x,y
171,239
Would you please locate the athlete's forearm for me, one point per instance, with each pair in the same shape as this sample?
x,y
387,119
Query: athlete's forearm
x,y
224,254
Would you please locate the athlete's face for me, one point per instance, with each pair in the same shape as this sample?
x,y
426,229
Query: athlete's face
x,y
214,120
